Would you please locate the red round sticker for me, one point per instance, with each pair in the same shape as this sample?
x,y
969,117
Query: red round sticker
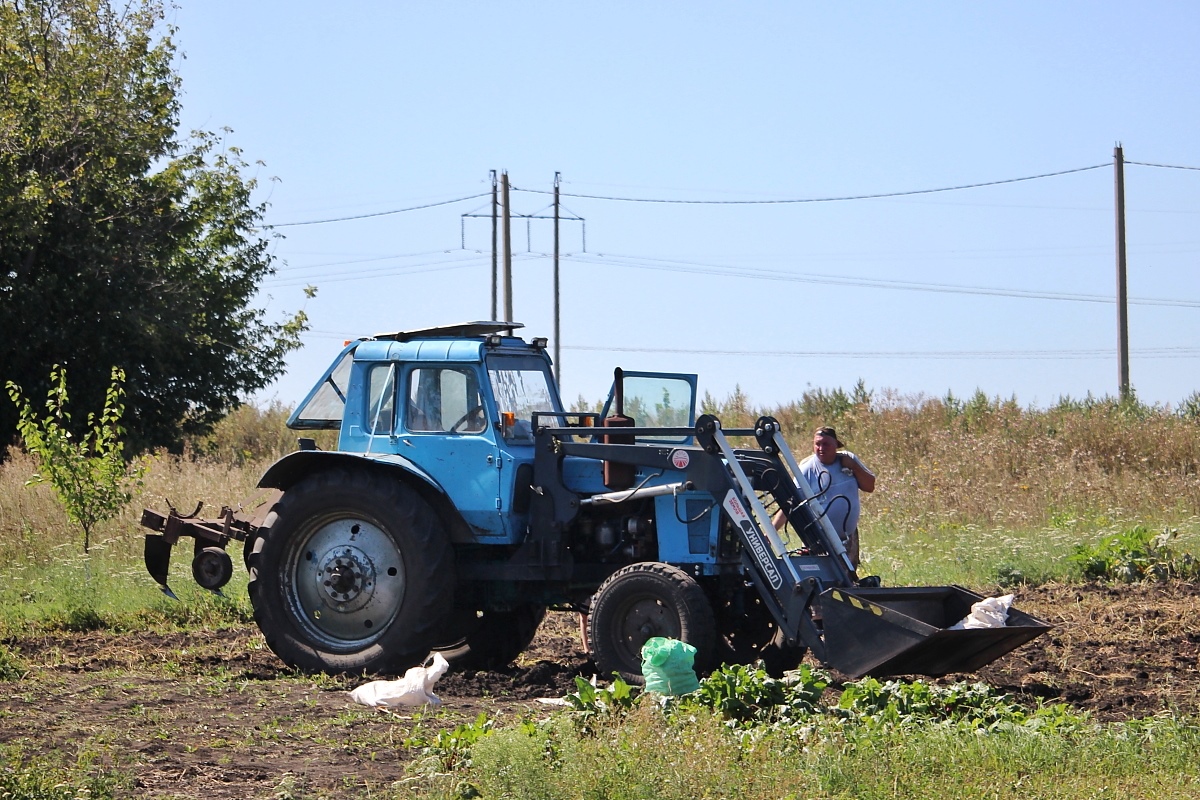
x,y
680,459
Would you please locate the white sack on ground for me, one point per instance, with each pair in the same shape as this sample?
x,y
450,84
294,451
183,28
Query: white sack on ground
x,y
414,689
990,612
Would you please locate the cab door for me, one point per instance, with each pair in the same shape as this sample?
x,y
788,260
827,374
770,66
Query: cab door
x,y
657,400
446,428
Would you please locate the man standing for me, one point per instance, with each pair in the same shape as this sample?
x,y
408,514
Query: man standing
x,y
837,476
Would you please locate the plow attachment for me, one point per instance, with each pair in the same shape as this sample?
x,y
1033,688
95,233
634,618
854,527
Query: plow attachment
x,y
211,565
905,631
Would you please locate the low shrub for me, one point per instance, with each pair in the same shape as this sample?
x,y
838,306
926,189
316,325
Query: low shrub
x,y
1137,554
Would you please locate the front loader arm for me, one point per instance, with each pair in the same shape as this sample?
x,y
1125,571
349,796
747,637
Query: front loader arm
x,y
716,468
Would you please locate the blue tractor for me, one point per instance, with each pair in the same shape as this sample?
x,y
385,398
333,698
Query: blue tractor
x,y
463,501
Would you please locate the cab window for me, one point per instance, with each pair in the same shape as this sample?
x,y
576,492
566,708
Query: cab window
x,y
381,391
325,407
658,400
444,400
521,390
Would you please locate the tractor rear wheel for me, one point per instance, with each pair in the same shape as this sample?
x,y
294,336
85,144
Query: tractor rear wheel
x,y
355,574
641,601
491,639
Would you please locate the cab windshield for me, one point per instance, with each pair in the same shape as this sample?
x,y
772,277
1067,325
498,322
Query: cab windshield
x,y
521,387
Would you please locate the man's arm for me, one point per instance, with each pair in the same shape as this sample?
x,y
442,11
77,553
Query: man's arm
x,y
864,476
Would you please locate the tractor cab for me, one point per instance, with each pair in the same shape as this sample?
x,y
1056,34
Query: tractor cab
x,y
459,401
463,500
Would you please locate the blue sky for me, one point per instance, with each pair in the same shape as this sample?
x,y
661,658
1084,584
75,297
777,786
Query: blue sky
x,y
360,108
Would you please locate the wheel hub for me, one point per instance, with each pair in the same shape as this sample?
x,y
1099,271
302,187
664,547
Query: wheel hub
x,y
344,581
346,577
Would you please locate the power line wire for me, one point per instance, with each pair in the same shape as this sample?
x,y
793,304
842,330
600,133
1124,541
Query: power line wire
x,y
378,213
377,273
664,265
878,196
1161,166
834,199
288,270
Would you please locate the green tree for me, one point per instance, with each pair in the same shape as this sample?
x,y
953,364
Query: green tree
x,y
89,475
122,242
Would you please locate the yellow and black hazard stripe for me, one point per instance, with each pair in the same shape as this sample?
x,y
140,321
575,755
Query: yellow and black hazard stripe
x,y
857,602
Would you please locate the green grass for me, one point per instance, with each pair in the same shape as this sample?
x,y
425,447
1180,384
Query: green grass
x,y
746,736
41,777
114,590
985,558
980,493
649,755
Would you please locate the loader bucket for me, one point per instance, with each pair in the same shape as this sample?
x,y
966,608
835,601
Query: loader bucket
x,y
903,631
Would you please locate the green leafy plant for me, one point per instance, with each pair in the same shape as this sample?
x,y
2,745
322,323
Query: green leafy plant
x,y
749,695
1136,555
590,701
11,668
91,479
455,746
971,706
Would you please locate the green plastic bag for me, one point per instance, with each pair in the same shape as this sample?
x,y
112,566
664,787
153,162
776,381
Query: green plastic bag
x,y
667,666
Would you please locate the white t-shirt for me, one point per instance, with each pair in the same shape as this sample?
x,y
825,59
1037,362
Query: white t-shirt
x,y
837,489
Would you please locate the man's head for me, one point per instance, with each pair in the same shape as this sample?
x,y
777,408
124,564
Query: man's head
x,y
825,445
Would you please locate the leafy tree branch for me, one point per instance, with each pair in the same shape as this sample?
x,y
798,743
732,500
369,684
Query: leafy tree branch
x,y
89,476
122,241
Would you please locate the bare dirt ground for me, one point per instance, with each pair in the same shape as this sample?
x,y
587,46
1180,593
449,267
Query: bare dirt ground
x,y
214,713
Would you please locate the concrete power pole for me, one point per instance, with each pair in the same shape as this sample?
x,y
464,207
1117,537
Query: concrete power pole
x,y
1122,291
495,269
557,307
508,290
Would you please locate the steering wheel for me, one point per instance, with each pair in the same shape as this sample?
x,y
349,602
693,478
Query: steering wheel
x,y
471,412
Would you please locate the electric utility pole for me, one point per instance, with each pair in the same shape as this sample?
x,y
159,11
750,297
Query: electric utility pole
x,y
557,326
1122,292
508,291
495,271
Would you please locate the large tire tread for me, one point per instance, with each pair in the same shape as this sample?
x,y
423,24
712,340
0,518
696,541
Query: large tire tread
x,y
383,500
685,614
493,639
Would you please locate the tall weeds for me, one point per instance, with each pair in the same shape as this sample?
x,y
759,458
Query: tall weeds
x,y
988,462
976,491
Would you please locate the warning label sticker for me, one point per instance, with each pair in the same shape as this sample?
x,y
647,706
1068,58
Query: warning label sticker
x,y
754,540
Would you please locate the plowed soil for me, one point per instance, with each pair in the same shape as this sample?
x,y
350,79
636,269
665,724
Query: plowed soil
x,y
215,714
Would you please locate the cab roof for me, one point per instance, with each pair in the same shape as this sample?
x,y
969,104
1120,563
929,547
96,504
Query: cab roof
x,y
460,330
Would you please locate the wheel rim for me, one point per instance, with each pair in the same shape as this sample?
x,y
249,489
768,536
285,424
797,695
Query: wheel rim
x,y
343,582
642,618
212,568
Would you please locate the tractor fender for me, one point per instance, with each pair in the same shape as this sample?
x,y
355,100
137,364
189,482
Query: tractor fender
x,y
294,467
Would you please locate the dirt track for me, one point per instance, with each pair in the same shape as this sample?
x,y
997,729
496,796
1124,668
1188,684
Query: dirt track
x,y
213,713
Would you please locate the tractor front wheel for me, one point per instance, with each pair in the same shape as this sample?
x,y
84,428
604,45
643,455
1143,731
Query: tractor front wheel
x,y
642,601
355,574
